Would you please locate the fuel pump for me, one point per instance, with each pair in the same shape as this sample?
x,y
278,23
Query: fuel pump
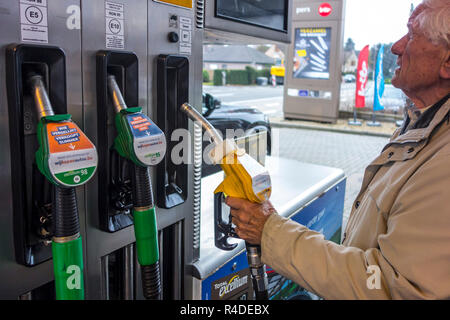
x,y
144,144
244,178
67,158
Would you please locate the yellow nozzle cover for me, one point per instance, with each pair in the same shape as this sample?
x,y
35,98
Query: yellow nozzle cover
x,y
238,183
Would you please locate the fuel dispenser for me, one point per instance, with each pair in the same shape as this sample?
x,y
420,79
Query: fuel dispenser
x,y
64,156
174,51
114,42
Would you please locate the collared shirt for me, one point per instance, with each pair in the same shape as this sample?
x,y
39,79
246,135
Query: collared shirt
x,y
417,118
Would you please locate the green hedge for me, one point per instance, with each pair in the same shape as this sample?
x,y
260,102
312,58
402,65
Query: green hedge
x,y
217,77
238,77
205,76
242,77
252,74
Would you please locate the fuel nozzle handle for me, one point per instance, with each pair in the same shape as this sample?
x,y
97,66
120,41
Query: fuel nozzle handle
x,y
41,100
66,242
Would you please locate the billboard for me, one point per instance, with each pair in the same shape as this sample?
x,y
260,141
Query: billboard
x,y
312,48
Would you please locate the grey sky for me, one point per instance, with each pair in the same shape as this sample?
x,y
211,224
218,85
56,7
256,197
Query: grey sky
x,y
376,21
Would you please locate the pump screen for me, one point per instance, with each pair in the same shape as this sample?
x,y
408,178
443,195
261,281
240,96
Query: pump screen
x,y
271,14
312,53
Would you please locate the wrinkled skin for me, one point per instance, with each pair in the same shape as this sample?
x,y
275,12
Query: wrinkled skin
x,y
249,218
424,68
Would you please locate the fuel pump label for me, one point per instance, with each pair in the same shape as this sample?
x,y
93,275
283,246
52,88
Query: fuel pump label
x,y
33,21
115,24
72,156
149,142
186,35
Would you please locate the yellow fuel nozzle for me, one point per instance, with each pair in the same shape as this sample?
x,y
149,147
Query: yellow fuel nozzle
x,y
245,177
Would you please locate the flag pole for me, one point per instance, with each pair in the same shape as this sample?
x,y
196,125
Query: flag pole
x,y
354,122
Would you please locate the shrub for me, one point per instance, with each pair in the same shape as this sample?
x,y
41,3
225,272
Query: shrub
x,y
237,77
252,74
217,77
205,76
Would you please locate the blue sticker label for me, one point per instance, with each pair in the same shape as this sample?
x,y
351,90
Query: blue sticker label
x,y
303,93
149,142
142,126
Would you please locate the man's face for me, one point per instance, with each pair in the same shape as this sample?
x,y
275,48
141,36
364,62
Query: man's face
x,y
419,60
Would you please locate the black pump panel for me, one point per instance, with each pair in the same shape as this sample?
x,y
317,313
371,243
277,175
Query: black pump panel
x,y
114,172
32,193
173,91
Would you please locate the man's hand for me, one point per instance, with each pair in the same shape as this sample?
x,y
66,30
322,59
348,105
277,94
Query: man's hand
x,y
249,218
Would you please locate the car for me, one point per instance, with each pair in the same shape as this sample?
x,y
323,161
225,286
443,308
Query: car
x,y
349,78
243,120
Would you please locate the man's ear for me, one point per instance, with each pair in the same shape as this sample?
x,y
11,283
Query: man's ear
x,y
444,72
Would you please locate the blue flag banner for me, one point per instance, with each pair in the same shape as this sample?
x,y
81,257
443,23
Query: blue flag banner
x,y
379,81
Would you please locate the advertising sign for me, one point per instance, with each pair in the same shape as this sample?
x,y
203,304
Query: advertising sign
x,y
361,78
233,286
379,81
325,9
312,53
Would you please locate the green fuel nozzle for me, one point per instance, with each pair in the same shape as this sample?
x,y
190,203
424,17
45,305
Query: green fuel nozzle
x,y
67,158
141,141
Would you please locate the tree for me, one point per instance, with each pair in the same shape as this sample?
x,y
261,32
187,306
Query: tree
x,y
349,45
389,60
263,48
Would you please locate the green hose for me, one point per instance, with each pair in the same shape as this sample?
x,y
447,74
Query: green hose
x,y
146,234
68,269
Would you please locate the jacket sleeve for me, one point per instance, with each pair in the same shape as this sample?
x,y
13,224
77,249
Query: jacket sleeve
x,y
413,256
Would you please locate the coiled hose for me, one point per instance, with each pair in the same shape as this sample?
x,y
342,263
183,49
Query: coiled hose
x,y
146,232
65,212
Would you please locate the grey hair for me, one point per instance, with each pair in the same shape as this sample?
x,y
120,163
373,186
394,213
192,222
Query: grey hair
x,y
434,21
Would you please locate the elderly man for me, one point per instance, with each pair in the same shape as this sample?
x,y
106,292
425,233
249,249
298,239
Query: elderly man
x,y
397,241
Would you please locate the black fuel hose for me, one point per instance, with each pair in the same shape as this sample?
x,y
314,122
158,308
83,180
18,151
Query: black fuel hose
x,y
65,212
143,203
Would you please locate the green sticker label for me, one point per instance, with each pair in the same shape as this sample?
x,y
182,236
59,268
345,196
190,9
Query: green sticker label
x,y
75,177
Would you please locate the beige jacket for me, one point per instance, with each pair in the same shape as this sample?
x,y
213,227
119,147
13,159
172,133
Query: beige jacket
x,y
399,225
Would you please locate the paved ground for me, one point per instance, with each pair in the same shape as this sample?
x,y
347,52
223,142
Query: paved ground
x,y
350,152
384,130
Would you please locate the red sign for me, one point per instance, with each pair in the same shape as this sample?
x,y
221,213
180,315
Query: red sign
x,y
361,77
325,9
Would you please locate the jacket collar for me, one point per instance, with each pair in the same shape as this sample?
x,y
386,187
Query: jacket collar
x,y
424,126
